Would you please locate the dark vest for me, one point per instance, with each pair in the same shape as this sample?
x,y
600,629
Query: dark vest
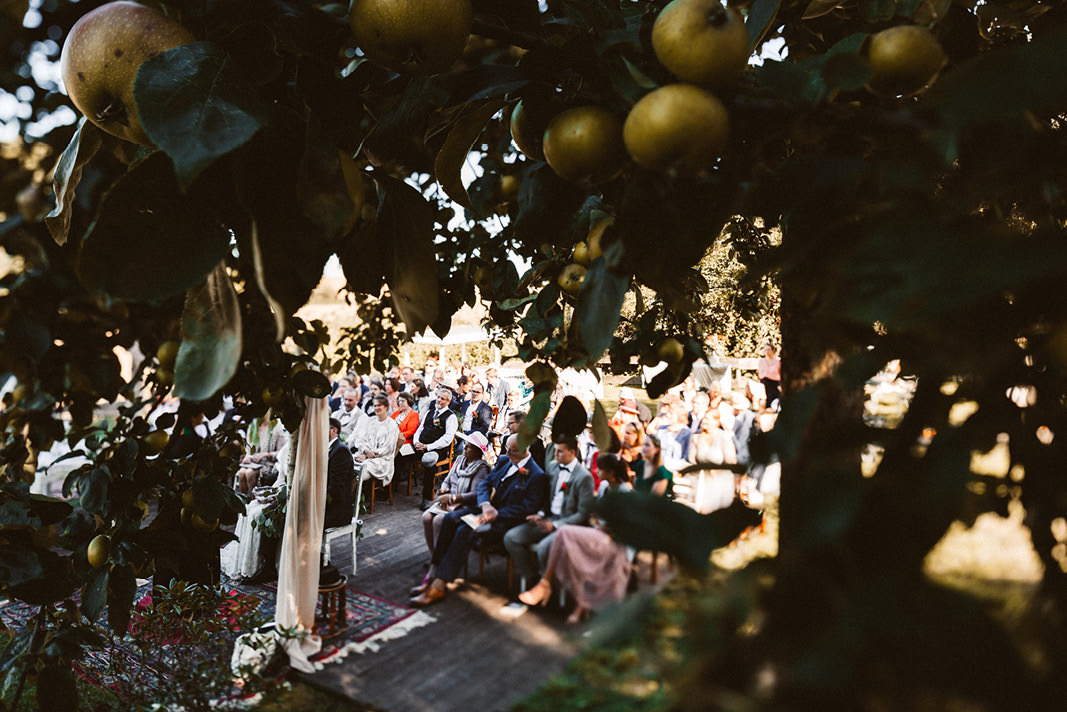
x,y
431,430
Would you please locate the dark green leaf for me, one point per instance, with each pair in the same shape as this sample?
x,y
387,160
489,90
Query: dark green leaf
x,y
121,588
878,10
602,431
94,593
1004,85
312,383
49,510
94,489
289,249
459,143
516,302
55,582
211,338
791,81
55,686
82,147
149,241
846,71
600,307
17,515
196,104
570,418
18,564
546,205
321,186
817,8
530,427
760,17
651,523
405,231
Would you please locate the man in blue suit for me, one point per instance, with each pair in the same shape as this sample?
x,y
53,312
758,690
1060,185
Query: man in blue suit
x,y
516,488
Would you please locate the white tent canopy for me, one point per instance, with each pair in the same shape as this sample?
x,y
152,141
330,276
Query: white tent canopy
x,y
459,335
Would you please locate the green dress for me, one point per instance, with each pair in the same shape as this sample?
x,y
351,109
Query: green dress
x,y
645,485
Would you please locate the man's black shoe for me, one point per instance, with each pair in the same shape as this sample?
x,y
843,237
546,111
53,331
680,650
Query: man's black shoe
x,y
426,504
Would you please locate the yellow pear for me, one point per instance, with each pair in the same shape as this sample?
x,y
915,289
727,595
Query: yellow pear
x,y
584,145
677,125
904,59
701,42
412,36
100,58
571,278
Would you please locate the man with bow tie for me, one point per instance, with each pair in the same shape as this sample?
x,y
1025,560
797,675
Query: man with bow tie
x,y
515,488
570,497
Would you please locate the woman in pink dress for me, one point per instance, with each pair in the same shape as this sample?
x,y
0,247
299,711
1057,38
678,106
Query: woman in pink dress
x,y
587,561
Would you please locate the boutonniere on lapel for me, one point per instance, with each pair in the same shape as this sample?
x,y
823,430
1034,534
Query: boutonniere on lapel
x,y
524,474
563,487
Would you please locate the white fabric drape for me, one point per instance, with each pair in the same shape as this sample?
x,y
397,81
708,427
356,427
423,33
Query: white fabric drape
x,y
298,568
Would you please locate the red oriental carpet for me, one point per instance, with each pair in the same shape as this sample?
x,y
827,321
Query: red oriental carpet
x,y
369,621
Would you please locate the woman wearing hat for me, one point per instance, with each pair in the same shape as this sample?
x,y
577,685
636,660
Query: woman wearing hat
x,y
460,487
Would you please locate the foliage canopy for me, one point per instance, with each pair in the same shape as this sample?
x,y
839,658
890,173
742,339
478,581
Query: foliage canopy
x,y
937,217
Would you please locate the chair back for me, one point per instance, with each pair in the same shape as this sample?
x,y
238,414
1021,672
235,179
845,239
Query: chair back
x,y
443,467
357,495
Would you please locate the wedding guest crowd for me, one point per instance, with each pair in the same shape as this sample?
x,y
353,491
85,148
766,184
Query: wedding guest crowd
x,y
455,429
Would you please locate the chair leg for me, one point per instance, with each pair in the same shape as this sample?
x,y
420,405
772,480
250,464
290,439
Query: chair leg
x,y
390,488
371,510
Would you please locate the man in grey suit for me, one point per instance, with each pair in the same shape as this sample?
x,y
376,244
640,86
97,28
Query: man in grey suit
x,y
570,497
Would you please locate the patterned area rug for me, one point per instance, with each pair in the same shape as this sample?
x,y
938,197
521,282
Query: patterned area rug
x,y
368,622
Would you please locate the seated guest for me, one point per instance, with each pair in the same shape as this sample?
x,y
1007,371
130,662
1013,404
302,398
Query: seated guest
x,y
340,473
477,415
460,488
423,397
266,437
406,417
374,443
437,429
349,414
650,476
537,447
630,408
407,378
515,489
570,494
247,557
461,394
392,389
632,435
587,561
374,389
341,385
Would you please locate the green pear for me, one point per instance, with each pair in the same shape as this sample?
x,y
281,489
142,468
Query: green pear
x,y
101,56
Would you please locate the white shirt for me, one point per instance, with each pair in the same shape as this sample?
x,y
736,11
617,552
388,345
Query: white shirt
x,y
561,481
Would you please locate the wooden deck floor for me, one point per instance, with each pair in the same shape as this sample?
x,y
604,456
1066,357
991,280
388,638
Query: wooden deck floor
x,y
472,657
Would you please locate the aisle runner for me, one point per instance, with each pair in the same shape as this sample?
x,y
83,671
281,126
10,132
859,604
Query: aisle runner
x,y
369,622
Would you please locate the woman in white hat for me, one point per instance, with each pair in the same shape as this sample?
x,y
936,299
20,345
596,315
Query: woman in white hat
x,y
460,487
